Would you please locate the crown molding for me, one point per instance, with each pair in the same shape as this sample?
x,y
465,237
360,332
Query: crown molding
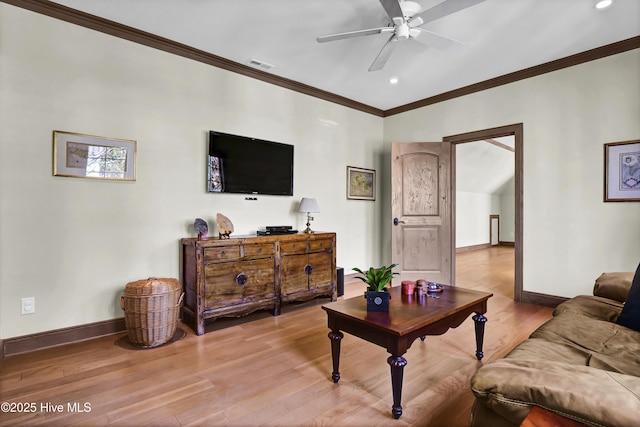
x,y
558,64
73,16
102,25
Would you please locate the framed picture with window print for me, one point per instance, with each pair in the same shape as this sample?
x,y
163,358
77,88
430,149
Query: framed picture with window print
x,y
87,156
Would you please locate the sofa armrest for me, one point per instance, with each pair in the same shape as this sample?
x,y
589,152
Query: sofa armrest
x,y
589,395
614,286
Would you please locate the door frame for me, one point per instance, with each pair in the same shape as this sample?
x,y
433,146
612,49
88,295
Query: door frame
x,y
517,131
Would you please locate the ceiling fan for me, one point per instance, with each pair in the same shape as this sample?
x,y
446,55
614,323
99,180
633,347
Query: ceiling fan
x,y
406,18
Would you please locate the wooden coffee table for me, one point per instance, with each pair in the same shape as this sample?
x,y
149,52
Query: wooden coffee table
x,y
408,318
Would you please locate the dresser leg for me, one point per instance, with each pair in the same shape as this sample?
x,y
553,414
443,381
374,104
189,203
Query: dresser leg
x,y
397,364
276,308
199,325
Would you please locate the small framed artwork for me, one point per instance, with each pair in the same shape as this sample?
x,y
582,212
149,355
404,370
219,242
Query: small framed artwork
x,y
87,156
622,171
361,183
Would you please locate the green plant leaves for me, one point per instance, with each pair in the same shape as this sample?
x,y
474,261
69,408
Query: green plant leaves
x,y
377,278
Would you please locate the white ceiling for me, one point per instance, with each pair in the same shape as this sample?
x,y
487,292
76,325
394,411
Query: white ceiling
x,y
501,36
483,167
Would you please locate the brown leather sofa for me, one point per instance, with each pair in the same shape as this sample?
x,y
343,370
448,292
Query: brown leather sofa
x,y
580,364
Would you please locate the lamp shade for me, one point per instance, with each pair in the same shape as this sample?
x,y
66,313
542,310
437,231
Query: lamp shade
x,y
309,205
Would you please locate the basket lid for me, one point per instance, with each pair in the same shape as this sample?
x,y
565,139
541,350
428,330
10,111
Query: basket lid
x,y
152,286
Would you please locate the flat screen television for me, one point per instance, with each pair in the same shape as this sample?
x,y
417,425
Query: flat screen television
x,y
239,164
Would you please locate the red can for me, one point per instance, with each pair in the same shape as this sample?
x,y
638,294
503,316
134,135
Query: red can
x,y
408,287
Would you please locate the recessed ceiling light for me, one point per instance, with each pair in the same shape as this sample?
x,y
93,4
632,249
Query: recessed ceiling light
x,y
603,4
393,80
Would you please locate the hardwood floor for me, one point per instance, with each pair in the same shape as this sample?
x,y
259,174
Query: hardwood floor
x,y
269,371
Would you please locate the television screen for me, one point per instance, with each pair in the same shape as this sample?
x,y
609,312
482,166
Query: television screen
x,y
239,164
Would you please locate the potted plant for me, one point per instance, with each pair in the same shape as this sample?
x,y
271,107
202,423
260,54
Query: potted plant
x,y
377,294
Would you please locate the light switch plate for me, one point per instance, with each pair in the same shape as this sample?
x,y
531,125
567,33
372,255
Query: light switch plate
x,y
28,305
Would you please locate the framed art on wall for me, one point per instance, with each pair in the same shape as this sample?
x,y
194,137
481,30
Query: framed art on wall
x,y
361,183
88,156
622,171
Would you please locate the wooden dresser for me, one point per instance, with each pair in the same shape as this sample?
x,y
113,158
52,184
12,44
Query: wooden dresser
x,y
234,277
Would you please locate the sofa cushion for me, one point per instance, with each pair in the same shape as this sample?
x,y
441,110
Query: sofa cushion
x,y
591,306
630,315
613,285
594,397
584,341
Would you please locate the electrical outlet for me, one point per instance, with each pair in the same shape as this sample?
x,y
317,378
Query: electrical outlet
x,y
28,305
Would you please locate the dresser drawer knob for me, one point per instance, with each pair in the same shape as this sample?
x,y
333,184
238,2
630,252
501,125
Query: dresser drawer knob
x,y
241,279
308,269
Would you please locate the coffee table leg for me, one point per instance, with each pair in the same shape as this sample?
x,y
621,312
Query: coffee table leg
x,y
397,364
479,321
335,337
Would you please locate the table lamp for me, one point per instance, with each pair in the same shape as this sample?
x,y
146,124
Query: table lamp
x,y
309,205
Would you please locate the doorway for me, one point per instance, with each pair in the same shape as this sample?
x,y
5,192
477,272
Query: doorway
x,y
488,134
494,230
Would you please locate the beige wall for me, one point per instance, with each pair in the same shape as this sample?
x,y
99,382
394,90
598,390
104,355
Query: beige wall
x,y
74,243
508,212
570,235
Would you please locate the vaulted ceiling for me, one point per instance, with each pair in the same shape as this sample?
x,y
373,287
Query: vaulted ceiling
x,y
499,37
485,166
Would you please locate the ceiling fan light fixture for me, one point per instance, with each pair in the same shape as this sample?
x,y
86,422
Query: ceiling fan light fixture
x,y
402,32
410,8
414,32
603,4
416,22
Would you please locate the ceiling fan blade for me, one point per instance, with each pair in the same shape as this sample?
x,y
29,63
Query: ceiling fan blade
x,y
436,40
384,54
351,34
393,9
443,9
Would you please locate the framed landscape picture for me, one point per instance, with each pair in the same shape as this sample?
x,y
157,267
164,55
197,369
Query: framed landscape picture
x,y
622,171
361,183
87,156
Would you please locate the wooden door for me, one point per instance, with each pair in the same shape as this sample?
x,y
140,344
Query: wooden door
x,y
421,206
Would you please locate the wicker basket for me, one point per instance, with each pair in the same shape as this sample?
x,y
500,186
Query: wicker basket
x,y
151,310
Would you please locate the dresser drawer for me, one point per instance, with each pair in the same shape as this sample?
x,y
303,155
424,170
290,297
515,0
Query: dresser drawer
x,y
323,245
299,247
259,251
226,253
